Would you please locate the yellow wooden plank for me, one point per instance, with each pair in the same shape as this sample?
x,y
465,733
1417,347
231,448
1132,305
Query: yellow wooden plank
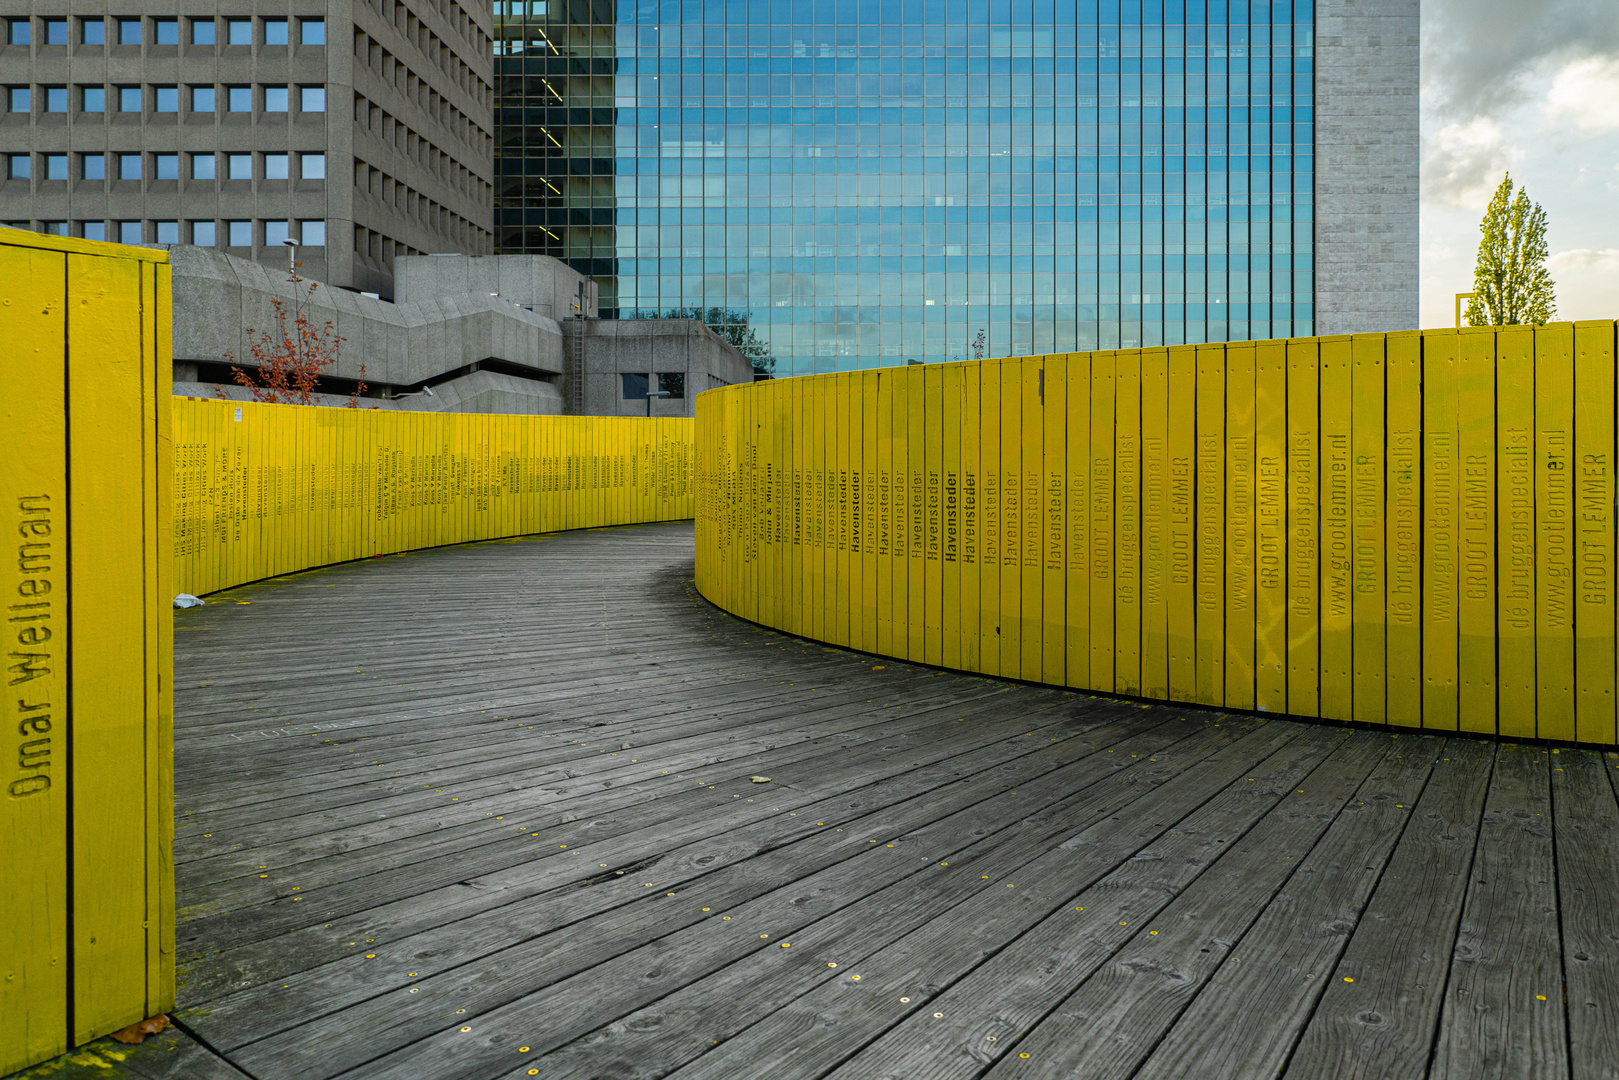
x,y
1476,557
1403,543
1337,544
106,713
1303,528
1155,494
158,379
1077,449
1031,586
1127,521
1182,523
932,376
1211,541
972,517
916,493
1368,375
951,438
1594,495
1240,482
816,458
34,948
1441,522
870,579
886,512
989,510
1012,520
840,429
1102,520
1270,526
1515,531
1054,541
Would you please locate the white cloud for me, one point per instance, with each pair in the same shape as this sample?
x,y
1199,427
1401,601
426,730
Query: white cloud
x,y
1587,282
1463,162
1586,92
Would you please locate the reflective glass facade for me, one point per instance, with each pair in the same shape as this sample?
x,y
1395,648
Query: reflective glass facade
x,y
876,182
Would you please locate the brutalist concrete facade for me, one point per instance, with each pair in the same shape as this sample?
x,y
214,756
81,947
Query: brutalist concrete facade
x,y
1367,178
361,130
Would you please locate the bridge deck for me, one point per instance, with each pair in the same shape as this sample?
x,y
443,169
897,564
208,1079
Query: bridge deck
x,y
489,812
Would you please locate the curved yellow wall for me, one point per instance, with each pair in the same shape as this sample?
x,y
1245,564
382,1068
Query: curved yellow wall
x,y
1412,529
261,490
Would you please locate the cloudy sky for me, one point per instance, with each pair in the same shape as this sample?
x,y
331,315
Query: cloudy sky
x,y
1531,88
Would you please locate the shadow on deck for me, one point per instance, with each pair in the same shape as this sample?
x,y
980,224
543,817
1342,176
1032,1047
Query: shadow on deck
x,y
490,811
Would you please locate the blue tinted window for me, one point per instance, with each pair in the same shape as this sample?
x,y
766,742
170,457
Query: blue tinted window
x,y
202,99
202,33
93,167
56,166
166,32
635,386
17,32
92,32
239,233
239,98
239,32
312,31
93,99
55,31
275,99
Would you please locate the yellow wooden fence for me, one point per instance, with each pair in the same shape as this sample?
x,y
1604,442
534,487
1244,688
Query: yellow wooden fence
x,y
262,490
86,797
1414,529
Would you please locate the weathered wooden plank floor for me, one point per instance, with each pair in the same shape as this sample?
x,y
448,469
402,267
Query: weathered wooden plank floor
x,y
487,812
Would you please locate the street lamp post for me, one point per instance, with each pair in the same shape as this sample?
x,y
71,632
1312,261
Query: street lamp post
x,y
650,394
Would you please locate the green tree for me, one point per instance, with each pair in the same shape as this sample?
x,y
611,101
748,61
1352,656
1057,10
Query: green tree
x,y
732,327
1510,283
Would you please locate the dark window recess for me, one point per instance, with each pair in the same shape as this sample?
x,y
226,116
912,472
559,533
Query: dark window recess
x,y
634,386
673,383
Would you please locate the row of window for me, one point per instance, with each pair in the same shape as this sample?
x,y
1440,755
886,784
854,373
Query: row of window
x,y
166,99
132,30
139,166
236,234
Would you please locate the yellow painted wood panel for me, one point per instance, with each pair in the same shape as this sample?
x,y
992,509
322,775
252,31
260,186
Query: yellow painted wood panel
x,y
884,584
1100,555
952,610
1155,510
1182,523
1054,540
1337,536
917,519
1012,520
1403,543
1240,481
1515,531
989,556
1594,535
932,376
1270,526
972,523
1303,527
1368,522
1031,562
1476,557
1127,522
1441,522
1211,524
1077,448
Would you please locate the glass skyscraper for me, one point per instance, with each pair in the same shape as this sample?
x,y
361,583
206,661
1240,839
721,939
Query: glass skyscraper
x,y
871,183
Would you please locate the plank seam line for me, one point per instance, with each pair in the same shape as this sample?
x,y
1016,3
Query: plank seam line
x,y
208,1046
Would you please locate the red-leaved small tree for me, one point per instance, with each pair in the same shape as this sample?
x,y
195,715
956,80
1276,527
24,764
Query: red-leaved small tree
x,y
290,359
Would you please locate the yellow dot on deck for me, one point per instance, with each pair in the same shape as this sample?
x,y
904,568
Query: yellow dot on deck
x,y
370,956
1024,1054
522,1049
723,918
1542,997
466,1029
786,944
705,909
412,974
1348,979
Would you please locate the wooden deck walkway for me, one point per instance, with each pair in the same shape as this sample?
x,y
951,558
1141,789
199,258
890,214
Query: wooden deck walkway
x,y
489,812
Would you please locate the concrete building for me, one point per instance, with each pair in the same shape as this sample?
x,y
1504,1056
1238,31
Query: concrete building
x,y
359,129
465,334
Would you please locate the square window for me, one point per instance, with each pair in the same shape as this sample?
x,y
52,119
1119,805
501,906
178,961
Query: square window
x,y
129,31
166,32
129,99
18,32
312,166
275,31
312,98
239,233
312,31
238,32
129,232
239,98
674,384
129,166
275,99
275,166
202,99
168,232
275,233
202,31
92,99
56,34
202,233
56,166
93,230
313,233
166,98
202,166
635,385
17,99
56,99
53,228
92,32
238,167
166,167
18,167
93,166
